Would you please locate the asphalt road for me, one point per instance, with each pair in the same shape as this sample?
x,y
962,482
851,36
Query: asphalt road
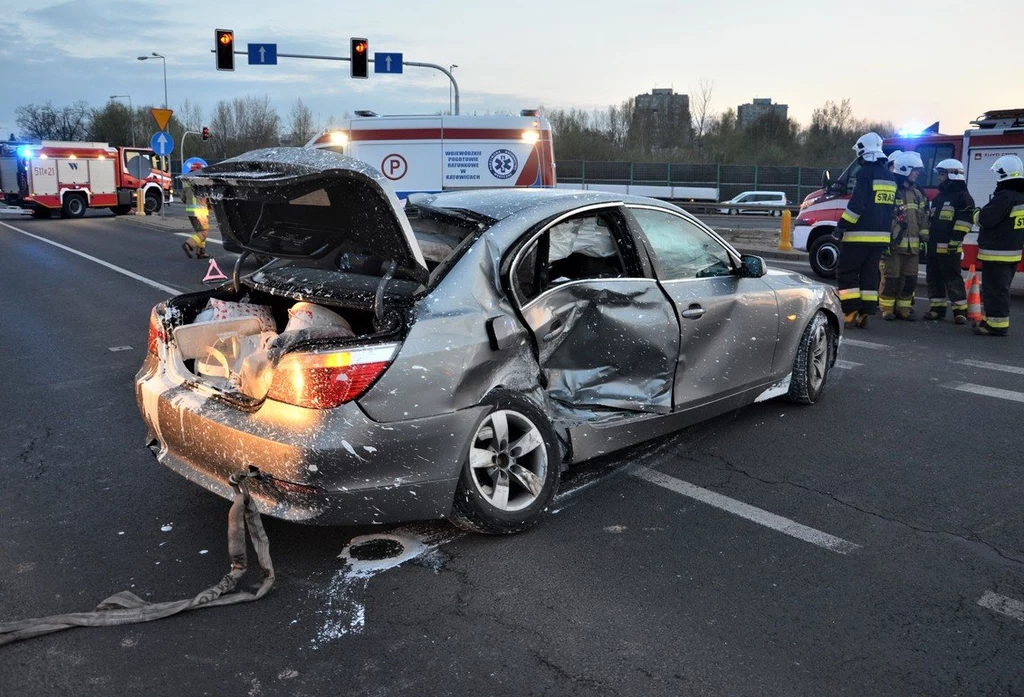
x,y
907,577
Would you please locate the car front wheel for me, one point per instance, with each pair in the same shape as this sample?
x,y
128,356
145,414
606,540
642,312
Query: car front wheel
x,y
511,471
824,256
814,358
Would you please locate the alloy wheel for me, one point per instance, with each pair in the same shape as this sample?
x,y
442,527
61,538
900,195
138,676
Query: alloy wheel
x,y
508,461
819,356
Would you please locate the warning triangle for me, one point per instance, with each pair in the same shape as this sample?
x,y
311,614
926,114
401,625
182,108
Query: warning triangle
x,y
214,273
161,116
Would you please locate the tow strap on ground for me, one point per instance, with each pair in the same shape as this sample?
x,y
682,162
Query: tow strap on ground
x,y
128,608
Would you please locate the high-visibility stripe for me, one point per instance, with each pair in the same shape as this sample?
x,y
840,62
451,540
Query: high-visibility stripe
x,y
870,295
959,306
937,302
998,322
901,303
867,237
1017,210
924,234
883,185
962,227
849,293
887,303
1000,255
851,217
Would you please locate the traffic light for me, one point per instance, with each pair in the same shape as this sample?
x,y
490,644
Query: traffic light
x,y
206,133
360,53
225,45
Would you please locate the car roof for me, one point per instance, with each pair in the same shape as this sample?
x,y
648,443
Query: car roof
x,y
499,204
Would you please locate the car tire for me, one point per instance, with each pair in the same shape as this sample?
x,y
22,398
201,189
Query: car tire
x,y
74,206
153,202
814,358
530,479
120,210
824,256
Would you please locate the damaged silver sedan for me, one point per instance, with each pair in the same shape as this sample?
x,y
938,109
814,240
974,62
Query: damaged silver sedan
x,y
449,358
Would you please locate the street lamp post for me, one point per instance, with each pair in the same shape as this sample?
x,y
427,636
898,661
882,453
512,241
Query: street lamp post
x,y
131,112
451,67
157,55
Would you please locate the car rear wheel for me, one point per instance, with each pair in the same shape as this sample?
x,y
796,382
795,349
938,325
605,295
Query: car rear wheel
x,y
824,256
74,206
511,471
814,358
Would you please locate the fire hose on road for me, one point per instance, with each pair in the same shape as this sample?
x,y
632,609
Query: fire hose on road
x,y
127,608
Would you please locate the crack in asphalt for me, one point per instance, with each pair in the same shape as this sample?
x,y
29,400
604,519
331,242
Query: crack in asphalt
x,y
27,453
974,538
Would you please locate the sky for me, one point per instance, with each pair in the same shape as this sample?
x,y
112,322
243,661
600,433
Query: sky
x,y
911,62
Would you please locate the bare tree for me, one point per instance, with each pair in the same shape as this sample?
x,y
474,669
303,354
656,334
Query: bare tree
x,y
300,123
700,111
190,114
47,122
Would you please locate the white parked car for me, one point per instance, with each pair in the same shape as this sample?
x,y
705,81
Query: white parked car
x,y
759,202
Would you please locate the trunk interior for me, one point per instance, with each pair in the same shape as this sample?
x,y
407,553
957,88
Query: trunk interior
x,y
360,316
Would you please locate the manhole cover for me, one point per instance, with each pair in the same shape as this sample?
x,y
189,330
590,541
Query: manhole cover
x,y
376,549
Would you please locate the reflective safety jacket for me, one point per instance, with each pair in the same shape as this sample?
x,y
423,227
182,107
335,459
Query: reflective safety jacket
x,y
1001,223
952,212
910,217
868,215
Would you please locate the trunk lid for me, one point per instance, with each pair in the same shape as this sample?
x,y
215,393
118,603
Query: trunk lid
x,y
298,203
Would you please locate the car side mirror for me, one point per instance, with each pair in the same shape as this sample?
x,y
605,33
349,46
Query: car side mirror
x,y
751,266
826,180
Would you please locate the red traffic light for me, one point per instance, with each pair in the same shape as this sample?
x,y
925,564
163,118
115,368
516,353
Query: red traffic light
x,y
226,38
360,47
224,43
359,59
206,133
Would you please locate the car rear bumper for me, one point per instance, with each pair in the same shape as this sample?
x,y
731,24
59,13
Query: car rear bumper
x,y
327,467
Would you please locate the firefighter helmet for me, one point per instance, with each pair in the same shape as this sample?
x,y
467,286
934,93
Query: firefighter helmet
x,y
893,155
869,146
1008,167
907,162
954,169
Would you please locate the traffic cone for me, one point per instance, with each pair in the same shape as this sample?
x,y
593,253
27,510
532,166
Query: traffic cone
x,y
974,297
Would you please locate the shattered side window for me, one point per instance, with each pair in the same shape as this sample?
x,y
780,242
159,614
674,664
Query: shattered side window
x,y
682,249
526,274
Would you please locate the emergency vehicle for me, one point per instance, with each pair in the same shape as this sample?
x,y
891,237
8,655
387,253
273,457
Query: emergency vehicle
x,y
439,153
73,176
997,133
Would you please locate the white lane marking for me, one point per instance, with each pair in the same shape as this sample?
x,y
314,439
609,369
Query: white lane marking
x,y
208,239
847,365
992,366
126,272
751,513
986,391
1002,605
864,344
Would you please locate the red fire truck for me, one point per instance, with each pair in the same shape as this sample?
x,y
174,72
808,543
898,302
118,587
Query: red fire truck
x,y
996,133
72,177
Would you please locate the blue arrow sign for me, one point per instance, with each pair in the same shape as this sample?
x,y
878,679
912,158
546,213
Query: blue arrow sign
x,y
162,143
387,63
186,166
262,54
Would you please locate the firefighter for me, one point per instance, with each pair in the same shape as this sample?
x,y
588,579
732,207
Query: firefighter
x,y
952,213
199,216
1000,239
865,232
900,261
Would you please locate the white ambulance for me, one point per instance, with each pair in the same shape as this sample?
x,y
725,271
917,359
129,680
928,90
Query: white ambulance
x,y
439,153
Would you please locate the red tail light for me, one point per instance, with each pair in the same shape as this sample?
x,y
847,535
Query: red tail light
x,y
156,331
326,380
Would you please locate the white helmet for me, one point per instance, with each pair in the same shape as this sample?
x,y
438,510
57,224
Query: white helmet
x,y
869,146
1008,167
893,155
954,169
907,162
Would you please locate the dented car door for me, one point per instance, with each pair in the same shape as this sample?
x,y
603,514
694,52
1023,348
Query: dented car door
x,y
606,335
